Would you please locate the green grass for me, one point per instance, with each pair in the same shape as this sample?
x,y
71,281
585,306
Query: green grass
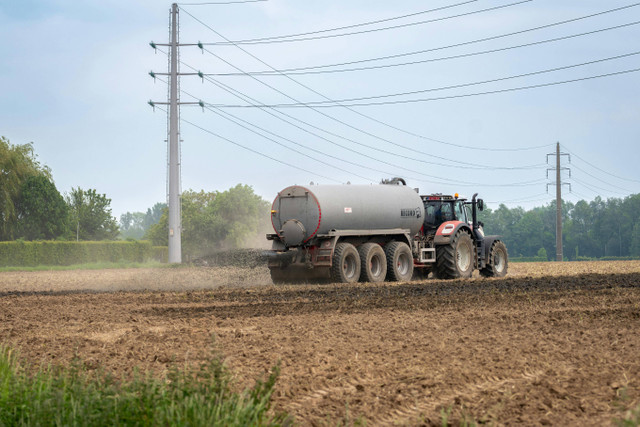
x,y
71,396
630,419
90,266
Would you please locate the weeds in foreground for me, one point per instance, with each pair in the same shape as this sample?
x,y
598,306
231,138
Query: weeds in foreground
x,y
194,396
631,418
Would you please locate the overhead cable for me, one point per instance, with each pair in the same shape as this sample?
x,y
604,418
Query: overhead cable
x,y
326,36
467,95
412,149
353,110
600,169
220,2
362,24
373,119
418,52
349,101
423,61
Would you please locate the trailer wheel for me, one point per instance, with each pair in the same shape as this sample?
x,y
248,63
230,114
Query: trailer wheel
x,y
498,262
455,260
373,263
399,261
345,267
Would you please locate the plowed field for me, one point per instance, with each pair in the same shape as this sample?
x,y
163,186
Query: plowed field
x,y
555,343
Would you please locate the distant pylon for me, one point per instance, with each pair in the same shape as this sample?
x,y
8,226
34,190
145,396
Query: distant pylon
x,y
558,183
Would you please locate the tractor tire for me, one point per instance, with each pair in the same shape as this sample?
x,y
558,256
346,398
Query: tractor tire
x,y
345,267
455,260
498,262
373,263
399,262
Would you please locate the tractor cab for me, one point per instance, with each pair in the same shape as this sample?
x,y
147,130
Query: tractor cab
x,y
439,208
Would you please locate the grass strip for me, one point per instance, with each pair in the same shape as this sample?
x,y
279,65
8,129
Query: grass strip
x,y
71,396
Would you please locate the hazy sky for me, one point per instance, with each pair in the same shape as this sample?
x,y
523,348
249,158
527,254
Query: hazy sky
x,y
74,81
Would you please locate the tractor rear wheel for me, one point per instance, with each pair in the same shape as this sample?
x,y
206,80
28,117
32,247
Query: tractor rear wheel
x,y
456,259
373,263
345,267
399,261
498,261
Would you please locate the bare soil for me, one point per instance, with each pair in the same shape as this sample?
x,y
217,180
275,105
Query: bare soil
x,y
552,343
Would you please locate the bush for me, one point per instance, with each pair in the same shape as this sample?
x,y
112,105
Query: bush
x,y
30,254
528,259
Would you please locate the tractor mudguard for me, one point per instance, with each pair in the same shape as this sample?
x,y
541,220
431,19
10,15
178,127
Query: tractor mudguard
x,y
488,242
447,230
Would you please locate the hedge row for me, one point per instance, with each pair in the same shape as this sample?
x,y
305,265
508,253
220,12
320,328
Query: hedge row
x,y
29,254
528,259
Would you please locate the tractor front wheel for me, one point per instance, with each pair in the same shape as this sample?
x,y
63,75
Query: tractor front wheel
x,y
498,262
455,260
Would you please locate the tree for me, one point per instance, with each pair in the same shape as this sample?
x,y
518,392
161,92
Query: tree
x,y
134,225
91,215
635,240
17,163
41,210
216,220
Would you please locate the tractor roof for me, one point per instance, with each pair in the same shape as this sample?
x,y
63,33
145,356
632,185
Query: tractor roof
x,y
442,197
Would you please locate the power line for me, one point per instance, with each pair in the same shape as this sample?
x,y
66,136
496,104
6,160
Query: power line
x,y
600,180
418,52
400,64
329,116
601,170
412,149
407,101
591,187
238,42
362,24
350,100
220,2
256,151
448,181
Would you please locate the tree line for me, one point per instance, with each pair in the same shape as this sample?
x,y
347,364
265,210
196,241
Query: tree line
x,y
596,229
32,208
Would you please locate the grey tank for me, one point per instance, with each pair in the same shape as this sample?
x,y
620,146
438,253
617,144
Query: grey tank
x,y
301,213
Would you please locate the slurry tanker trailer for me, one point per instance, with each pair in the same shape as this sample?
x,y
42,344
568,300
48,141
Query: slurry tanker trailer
x,y
374,233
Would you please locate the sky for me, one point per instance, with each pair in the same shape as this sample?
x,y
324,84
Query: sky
x,y
74,81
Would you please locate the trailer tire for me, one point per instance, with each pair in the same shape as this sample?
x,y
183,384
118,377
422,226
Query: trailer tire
x,y
399,261
498,262
373,263
455,260
345,267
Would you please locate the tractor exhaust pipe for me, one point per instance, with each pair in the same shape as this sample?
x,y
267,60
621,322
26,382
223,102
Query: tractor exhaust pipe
x,y
474,212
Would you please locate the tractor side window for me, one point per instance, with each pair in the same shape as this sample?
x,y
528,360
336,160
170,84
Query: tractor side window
x,y
460,212
468,212
447,213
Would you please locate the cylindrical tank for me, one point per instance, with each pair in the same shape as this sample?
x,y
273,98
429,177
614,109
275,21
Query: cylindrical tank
x,y
300,213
